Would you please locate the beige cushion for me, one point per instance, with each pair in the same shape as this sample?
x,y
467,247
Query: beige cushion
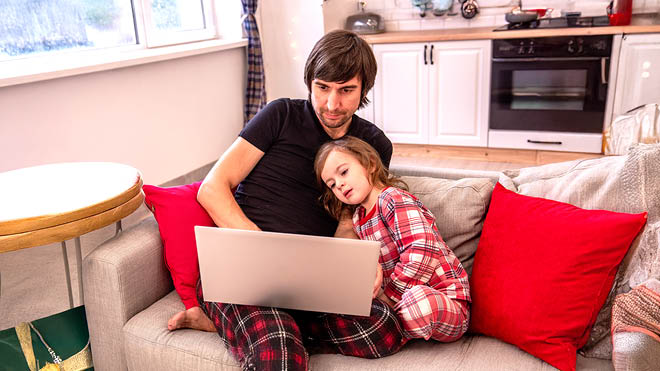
x,y
635,351
459,207
149,345
470,353
617,183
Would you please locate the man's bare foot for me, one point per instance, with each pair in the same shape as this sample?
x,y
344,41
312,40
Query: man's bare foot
x,y
193,318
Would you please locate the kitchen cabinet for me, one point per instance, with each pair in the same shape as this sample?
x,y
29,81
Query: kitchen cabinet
x,y
433,93
638,77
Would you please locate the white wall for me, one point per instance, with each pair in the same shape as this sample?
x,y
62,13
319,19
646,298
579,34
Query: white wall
x,y
165,118
289,29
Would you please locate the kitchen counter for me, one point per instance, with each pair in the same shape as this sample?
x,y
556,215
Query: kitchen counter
x,y
639,24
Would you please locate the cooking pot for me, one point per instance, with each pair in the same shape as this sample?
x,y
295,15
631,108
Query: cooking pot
x,y
516,15
365,22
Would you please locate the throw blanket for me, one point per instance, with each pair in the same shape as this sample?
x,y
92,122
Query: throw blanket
x,y
637,311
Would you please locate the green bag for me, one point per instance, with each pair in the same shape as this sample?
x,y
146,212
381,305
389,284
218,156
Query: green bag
x,y
26,346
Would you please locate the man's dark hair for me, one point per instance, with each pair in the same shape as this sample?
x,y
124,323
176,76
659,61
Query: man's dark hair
x,y
338,57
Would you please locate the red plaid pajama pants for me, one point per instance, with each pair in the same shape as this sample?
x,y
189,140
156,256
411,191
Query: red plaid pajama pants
x,y
429,314
262,338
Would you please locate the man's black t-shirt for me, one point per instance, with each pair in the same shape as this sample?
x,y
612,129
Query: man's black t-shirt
x,y
281,194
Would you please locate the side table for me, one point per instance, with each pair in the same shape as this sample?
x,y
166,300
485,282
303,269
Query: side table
x,y
53,203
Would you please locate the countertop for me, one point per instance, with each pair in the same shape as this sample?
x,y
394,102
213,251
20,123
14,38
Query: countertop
x,y
639,24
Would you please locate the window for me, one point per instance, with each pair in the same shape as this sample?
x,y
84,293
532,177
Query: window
x,y
37,27
176,21
29,27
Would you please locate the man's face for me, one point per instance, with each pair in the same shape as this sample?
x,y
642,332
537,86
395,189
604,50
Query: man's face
x,y
334,103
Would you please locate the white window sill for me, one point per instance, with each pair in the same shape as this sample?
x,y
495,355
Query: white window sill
x,y
26,70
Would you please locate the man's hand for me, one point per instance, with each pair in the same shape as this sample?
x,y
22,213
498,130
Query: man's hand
x,y
378,291
379,281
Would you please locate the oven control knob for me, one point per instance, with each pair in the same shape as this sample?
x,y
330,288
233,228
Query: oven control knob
x,y
580,48
571,47
531,48
521,49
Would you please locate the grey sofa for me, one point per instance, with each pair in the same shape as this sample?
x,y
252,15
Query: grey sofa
x,y
129,294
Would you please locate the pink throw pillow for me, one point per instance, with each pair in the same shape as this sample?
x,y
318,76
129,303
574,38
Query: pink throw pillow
x,y
543,270
177,212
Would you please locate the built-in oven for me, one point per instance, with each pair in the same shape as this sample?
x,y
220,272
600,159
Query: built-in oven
x,y
549,93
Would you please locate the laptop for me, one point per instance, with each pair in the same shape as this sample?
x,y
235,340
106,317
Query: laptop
x,y
283,270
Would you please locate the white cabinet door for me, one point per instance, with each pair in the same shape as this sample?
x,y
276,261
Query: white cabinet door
x,y
459,95
638,79
401,92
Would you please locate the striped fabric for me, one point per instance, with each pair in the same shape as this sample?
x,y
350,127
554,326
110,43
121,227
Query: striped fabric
x,y
420,273
255,93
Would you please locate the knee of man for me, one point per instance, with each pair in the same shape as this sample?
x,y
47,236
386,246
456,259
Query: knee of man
x,y
390,332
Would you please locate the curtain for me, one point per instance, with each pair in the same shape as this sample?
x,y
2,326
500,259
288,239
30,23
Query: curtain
x,y
255,94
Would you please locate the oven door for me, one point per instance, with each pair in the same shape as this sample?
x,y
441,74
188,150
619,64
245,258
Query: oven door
x,y
549,94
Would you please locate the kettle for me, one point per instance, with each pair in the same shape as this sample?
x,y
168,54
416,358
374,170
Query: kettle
x,y
364,22
619,12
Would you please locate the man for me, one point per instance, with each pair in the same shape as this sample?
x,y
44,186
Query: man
x,y
271,167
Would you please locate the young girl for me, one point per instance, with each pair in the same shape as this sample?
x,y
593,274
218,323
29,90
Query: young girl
x,y
423,281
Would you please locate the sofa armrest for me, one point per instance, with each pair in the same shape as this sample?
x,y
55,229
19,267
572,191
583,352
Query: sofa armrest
x,y
122,277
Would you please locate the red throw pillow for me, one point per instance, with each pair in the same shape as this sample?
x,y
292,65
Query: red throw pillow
x,y
543,270
177,212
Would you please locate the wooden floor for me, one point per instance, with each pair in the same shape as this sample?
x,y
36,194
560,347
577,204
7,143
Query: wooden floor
x,y
478,158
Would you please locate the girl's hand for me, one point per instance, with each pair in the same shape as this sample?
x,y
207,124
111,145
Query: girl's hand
x,y
386,300
379,281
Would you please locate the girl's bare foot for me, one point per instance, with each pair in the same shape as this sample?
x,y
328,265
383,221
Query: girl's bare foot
x,y
193,318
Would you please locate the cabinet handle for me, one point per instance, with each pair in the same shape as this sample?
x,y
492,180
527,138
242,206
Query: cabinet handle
x,y
425,47
603,65
542,142
431,54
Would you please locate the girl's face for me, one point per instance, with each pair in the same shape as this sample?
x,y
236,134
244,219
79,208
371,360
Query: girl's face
x,y
348,180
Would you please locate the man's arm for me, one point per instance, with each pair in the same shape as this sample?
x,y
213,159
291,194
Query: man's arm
x,y
345,226
215,194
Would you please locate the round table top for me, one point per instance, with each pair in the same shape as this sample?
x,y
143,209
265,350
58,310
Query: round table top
x,y
49,196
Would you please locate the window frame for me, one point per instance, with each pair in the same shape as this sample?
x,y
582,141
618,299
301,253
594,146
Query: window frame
x,y
155,38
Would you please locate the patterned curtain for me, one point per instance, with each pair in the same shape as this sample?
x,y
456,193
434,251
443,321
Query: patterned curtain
x,y
255,94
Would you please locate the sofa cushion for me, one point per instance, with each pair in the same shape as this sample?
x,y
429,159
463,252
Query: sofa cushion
x,y
149,345
470,353
459,207
542,271
618,183
177,211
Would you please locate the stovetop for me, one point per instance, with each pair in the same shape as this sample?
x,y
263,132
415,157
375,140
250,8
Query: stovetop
x,y
560,22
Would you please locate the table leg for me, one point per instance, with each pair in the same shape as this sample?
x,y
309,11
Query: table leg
x,y
118,229
67,272
79,262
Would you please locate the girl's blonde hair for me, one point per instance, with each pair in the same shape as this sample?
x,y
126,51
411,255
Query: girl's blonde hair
x,y
366,156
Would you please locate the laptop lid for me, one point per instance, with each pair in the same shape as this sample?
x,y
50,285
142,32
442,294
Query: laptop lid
x,y
283,270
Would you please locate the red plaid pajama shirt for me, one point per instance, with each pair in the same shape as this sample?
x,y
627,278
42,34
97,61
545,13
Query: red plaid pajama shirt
x,y
420,273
